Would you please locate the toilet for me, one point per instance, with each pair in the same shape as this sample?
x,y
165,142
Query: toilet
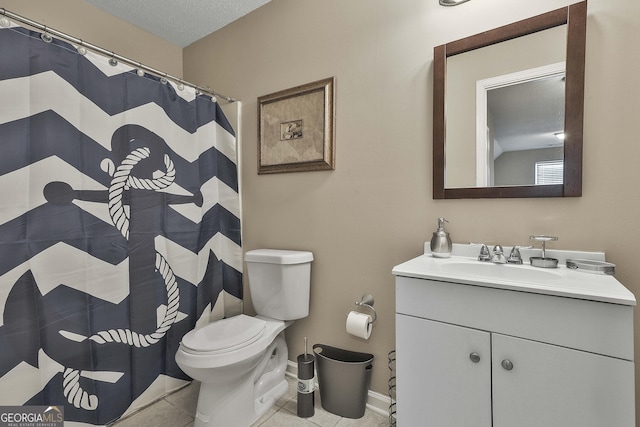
x,y
241,361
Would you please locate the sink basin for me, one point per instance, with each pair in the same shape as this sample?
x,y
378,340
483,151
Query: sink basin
x,y
521,273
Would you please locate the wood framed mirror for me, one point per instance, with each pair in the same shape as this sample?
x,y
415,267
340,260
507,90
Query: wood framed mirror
x,y
573,18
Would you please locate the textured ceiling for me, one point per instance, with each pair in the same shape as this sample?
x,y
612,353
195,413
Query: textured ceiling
x,y
527,115
180,22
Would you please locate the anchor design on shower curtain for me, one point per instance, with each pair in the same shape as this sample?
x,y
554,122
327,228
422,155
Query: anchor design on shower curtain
x,y
137,207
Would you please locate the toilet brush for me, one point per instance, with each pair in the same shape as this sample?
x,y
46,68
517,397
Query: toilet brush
x,y
306,383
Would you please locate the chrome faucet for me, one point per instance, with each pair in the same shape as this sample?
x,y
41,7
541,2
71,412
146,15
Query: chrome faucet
x,y
484,253
514,256
498,255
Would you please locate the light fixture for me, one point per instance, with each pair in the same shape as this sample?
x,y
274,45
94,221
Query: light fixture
x,y
452,2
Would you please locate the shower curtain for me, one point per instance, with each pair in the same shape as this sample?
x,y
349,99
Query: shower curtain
x,y
119,227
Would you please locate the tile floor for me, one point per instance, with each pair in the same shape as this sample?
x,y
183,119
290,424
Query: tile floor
x,y
177,409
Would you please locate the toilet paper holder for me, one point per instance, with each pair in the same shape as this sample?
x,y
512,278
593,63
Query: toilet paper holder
x,y
367,302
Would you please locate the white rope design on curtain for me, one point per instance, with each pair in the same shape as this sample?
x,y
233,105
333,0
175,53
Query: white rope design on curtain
x,y
74,393
139,340
122,180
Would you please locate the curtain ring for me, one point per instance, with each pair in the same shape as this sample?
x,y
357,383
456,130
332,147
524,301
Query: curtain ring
x,y
113,61
81,49
46,37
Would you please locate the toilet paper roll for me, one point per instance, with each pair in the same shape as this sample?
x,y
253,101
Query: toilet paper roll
x,y
359,325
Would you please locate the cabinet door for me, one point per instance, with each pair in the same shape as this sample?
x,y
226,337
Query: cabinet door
x,y
438,384
554,386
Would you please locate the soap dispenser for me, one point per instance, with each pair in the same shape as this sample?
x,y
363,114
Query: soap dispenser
x,y
441,242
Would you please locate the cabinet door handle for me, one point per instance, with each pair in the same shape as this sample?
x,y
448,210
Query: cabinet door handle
x,y
507,364
475,357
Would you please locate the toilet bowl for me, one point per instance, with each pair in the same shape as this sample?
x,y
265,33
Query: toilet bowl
x,y
242,373
241,361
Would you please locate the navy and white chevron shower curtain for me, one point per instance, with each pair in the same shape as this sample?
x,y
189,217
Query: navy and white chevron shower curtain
x,y
119,228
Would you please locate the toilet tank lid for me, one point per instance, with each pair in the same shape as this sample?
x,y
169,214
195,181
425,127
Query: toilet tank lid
x,y
278,256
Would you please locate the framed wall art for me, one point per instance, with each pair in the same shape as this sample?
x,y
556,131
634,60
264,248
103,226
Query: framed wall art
x,y
296,129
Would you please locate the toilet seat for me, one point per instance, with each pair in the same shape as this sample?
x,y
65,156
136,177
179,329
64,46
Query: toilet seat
x,y
224,335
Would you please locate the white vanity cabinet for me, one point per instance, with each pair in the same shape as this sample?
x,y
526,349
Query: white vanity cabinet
x,y
481,352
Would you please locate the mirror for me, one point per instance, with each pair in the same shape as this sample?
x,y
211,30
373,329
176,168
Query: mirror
x,y
486,138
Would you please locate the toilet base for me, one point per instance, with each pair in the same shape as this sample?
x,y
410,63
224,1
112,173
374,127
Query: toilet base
x,y
240,402
266,401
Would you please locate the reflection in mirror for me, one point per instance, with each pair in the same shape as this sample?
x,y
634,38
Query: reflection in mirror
x,y
511,94
524,134
514,77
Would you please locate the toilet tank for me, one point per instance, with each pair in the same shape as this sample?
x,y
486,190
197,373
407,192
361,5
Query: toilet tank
x,y
279,281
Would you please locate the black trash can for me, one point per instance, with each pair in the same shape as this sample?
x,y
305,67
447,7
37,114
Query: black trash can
x,y
344,378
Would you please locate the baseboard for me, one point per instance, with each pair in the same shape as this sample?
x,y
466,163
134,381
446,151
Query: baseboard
x,y
376,402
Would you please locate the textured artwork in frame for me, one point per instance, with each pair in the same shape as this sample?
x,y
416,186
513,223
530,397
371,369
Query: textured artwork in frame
x,y
296,129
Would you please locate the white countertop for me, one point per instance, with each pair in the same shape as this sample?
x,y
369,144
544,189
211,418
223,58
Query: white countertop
x,y
560,281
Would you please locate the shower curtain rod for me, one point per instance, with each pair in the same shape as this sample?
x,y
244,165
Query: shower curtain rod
x,y
105,52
